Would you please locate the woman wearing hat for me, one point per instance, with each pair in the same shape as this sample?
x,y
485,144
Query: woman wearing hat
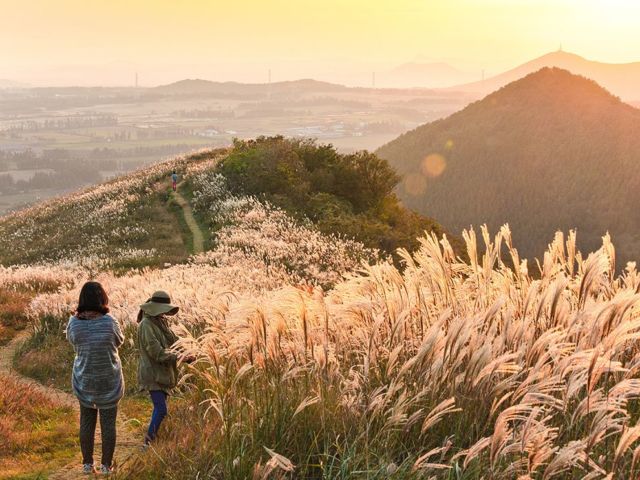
x,y
157,369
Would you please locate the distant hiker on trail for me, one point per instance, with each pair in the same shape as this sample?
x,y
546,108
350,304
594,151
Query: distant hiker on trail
x,y
97,373
157,368
174,180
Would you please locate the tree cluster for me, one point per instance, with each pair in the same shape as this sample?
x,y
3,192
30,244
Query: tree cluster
x,y
348,194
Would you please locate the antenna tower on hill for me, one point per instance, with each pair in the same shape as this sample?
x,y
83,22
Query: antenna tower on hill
x,y
269,85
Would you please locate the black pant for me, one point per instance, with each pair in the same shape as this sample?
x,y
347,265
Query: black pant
x,y
88,417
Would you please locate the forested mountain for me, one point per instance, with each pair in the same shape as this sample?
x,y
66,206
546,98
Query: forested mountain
x,y
552,151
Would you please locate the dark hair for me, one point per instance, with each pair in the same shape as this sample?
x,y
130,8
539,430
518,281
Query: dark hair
x,y
141,312
93,298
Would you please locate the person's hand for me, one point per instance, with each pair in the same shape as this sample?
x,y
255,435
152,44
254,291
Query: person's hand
x,y
189,359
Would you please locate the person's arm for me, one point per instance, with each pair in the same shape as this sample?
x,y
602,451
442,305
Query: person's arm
x,y
150,343
118,333
69,332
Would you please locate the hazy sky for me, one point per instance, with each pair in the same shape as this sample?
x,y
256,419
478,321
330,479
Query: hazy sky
x,y
86,42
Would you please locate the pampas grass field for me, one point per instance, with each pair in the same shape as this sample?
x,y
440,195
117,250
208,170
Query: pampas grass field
x,y
320,358
491,368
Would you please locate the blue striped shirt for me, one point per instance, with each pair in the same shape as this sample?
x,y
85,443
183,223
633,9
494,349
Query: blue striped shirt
x,y
97,373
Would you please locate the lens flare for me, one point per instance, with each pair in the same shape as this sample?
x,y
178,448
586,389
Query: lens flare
x,y
433,165
415,184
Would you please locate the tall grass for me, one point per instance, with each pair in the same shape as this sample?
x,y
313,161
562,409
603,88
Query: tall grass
x,y
486,368
447,369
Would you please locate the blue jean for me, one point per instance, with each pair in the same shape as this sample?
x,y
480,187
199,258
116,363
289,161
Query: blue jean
x,y
159,399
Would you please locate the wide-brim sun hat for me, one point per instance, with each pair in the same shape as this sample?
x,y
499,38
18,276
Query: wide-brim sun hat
x,y
159,304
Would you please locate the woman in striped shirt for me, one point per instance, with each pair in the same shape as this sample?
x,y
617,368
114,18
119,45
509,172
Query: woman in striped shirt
x,y
97,372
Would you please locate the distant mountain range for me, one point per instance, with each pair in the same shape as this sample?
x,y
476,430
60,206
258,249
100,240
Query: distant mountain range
x,y
621,79
552,151
206,87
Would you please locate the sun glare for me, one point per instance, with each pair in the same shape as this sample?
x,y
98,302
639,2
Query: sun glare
x,y
433,165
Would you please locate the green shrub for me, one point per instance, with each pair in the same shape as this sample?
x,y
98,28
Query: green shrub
x,y
349,195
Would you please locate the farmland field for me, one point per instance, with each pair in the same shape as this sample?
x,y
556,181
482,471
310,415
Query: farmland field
x,y
132,127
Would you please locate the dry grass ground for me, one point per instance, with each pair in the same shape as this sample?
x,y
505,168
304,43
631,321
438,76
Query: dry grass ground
x,y
49,364
37,432
12,318
14,301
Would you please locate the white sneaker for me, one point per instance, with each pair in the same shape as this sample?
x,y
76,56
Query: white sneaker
x,y
105,470
87,469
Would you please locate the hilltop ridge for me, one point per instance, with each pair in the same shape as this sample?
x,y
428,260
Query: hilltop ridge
x,y
136,220
126,222
622,79
208,87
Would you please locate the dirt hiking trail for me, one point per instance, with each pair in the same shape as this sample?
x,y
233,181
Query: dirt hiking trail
x,y
127,443
196,233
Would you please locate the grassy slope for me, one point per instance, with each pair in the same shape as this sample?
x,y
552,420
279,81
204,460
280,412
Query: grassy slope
x,y
128,221
161,222
171,248
132,221
171,238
